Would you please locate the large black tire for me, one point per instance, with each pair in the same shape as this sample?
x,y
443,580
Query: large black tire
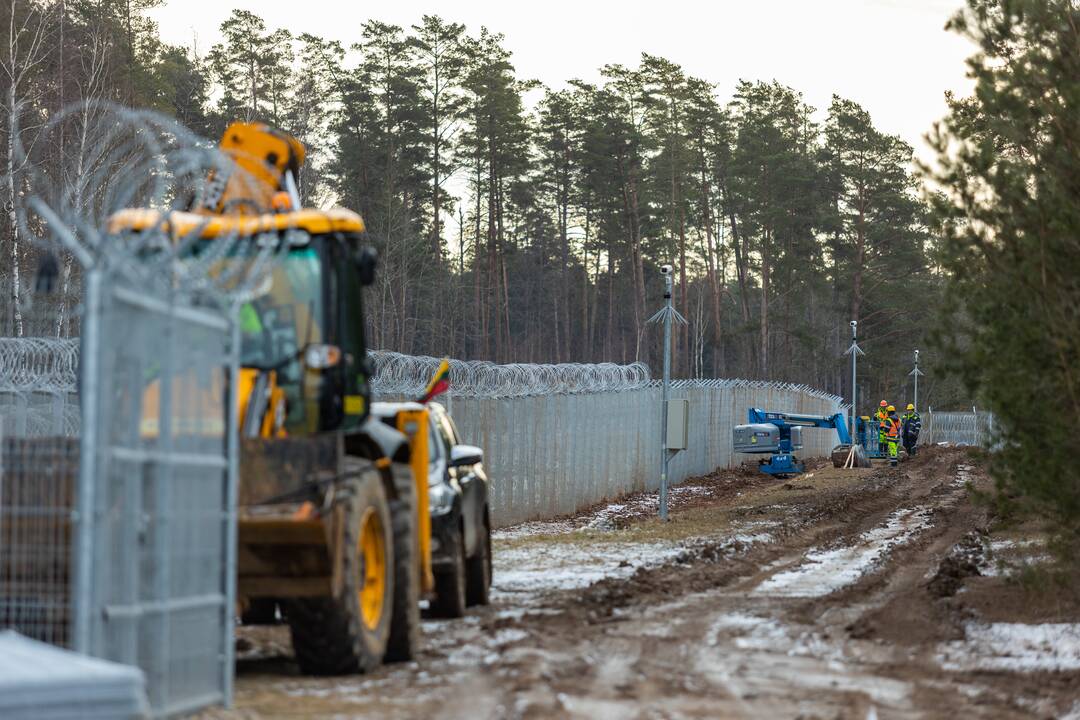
x,y
329,634
404,641
261,611
478,567
450,582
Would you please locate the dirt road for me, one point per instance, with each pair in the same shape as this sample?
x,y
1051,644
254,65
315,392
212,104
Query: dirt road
x,y
838,594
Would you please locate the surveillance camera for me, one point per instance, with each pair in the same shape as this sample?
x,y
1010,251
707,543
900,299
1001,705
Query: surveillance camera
x,y
854,323
665,269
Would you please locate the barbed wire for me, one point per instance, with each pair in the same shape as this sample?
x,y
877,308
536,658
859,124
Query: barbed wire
x,y
46,364
120,158
397,374
38,364
837,400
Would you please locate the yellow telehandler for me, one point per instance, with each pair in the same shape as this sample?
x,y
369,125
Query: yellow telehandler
x,y
334,530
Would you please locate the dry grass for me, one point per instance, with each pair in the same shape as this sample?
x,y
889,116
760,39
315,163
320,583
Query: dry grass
x,y
707,516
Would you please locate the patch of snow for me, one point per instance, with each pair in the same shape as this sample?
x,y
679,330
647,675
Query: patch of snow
x,y
603,518
507,636
542,567
824,571
520,613
1014,646
1073,713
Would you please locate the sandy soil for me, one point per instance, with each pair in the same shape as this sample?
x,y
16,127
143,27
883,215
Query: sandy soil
x,y
839,594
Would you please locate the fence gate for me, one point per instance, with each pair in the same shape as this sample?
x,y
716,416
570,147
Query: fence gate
x,y
153,580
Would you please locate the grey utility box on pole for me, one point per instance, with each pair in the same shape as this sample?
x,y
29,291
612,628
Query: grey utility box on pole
x,y
678,421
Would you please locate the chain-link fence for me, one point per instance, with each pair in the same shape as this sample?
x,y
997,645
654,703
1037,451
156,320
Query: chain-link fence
x,y
558,438
957,428
38,388
118,467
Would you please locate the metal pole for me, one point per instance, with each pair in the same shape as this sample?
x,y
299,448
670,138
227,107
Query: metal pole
x,y
82,597
664,453
854,351
666,314
916,372
232,494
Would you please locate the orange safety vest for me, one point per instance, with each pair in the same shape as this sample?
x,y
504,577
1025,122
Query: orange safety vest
x,y
892,429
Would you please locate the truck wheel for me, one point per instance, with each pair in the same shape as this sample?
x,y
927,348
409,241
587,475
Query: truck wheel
x,y
348,633
479,568
450,582
404,640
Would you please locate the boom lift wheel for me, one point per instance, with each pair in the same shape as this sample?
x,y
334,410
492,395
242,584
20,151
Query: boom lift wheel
x,y
348,632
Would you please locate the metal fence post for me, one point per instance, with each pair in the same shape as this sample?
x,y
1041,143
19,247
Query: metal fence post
x,y
232,440
83,537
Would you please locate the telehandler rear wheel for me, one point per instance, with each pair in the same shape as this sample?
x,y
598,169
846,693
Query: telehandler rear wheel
x,y
348,633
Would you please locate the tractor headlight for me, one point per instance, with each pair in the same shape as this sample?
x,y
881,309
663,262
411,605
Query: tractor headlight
x,y
440,499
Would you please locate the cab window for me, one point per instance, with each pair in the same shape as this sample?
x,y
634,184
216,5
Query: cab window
x,y
278,322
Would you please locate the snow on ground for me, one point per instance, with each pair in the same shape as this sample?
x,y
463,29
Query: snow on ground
x,y
533,568
605,517
1015,647
788,658
1008,557
527,563
824,571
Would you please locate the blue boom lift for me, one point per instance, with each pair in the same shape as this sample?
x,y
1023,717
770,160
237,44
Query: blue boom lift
x,y
780,434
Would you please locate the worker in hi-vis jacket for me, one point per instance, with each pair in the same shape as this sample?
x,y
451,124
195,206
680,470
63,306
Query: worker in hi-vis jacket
x,y
892,434
911,426
881,416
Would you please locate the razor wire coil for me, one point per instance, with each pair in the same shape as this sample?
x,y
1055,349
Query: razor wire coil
x,y
51,364
397,374
38,364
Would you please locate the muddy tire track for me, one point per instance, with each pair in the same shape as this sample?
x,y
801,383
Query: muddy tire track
x,y
877,557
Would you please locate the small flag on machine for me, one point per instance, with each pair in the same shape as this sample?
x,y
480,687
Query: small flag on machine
x,y
440,382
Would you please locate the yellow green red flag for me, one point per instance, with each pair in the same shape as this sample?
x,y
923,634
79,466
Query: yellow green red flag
x,y
440,382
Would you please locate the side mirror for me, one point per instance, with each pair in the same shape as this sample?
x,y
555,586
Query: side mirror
x,y
461,455
366,262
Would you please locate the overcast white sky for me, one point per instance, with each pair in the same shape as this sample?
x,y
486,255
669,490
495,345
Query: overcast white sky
x,y
891,56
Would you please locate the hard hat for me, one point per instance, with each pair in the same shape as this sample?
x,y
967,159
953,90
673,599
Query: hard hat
x,y
910,406
883,403
891,408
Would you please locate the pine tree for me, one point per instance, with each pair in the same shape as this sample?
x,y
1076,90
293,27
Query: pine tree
x,y
1009,167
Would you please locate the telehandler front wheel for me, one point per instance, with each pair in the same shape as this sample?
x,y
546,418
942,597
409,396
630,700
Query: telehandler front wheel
x,y
348,633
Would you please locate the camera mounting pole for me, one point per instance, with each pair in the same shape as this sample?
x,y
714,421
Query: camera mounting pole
x,y
666,314
916,373
855,351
